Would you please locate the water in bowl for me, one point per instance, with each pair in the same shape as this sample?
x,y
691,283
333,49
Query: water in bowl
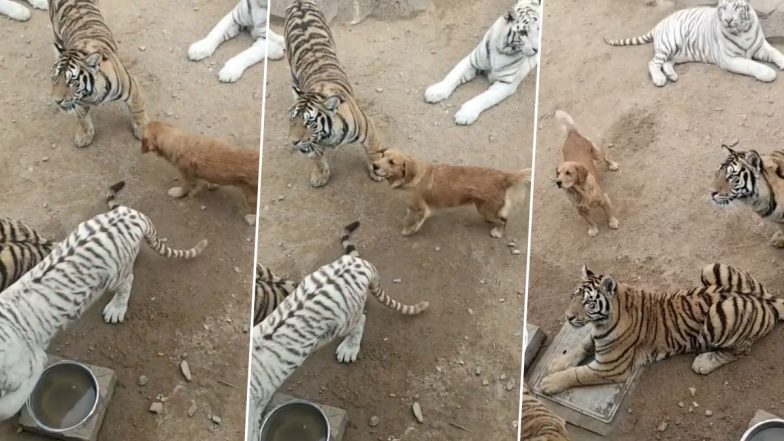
x,y
769,434
296,422
63,397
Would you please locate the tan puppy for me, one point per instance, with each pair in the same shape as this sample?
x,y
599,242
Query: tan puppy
x,y
441,186
577,174
200,157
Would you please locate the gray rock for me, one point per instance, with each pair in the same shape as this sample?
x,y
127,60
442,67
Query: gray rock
x,y
765,7
186,370
143,380
662,426
156,407
417,409
374,421
192,410
216,419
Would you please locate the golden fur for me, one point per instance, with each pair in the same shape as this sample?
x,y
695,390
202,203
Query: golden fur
x,y
577,174
441,186
199,157
539,423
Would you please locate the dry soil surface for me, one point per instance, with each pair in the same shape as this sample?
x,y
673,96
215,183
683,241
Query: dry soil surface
x,y
196,310
667,144
472,331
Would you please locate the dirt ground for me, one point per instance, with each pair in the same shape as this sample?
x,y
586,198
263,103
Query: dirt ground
x,y
197,310
474,283
667,144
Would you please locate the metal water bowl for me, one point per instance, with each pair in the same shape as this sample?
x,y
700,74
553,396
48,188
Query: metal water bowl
x,y
65,396
296,419
768,430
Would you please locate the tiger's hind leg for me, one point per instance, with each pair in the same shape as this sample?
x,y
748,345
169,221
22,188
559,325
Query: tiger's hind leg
x,y
86,130
135,105
319,175
708,362
495,215
603,158
669,71
114,311
656,68
348,349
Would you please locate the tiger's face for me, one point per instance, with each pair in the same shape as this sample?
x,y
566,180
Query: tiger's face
x,y
312,122
735,15
591,300
736,178
522,31
74,78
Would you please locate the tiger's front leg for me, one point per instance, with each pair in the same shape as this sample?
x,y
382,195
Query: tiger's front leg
x,y
469,112
770,54
138,113
571,357
750,68
578,376
319,175
463,72
86,131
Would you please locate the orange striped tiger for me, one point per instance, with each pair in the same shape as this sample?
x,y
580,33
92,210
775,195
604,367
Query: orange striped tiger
x,y
720,320
538,423
21,248
88,71
326,113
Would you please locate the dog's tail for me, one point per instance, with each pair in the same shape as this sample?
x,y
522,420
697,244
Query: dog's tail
x,y
566,121
519,183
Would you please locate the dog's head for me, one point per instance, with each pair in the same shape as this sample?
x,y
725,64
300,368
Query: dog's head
x,y
396,167
570,174
150,137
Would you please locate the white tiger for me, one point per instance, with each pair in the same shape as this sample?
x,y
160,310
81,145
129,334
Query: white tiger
x,y
727,35
506,54
328,303
250,15
96,257
19,12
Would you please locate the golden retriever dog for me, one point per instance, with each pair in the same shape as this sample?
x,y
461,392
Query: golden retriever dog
x,y
201,158
441,186
577,174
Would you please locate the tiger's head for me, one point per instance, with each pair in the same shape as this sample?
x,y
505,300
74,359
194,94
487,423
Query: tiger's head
x,y
736,178
313,121
521,27
74,77
591,300
736,16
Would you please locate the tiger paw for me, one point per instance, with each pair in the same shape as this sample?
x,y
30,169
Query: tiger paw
x,y
138,130
114,312
39,4
466,116
18,12
231,72
559,364
319,178
437,92
553,383
200,50
274,50
659,80
83,138
347,351
766,74
613,223
177,192
778,239
593,231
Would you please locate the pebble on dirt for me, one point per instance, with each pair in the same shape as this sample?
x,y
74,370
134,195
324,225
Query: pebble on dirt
x,y
374,421
216,419
693,391
143,380
417,409
192,410
186,370
708,413
662,426
156,407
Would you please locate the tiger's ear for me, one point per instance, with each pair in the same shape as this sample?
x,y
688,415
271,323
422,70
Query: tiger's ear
x,y
59,48
332,103
93,61
729,149
586,273
608,286
297,91
510,15
754,160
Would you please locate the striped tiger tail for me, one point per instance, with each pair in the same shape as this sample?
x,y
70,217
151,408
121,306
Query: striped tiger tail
x,y
378,292
634,41
111,201
151,236
349,247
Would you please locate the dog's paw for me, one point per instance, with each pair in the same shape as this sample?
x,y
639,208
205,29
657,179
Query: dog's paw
x,y
613,223
466,116
593,231
612,165
177,192
200,50
437,92
231,72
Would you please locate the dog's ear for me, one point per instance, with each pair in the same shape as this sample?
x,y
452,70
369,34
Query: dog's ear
x,y
145,144
582,173
409,169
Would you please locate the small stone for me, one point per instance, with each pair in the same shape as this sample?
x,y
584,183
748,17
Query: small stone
x,y
192,410
417,409
186,370
695,404
485,382
45,159
216,419
511,245
156,407
438,369
516,252
502,377
142,48
379,89
680,404
510,385
281,197
438,249
203,207
693,391
478,371
143,380
397,280
708,413
662,426
482,282
374,421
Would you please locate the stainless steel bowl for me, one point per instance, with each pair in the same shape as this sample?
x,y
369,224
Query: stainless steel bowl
x,y
281,410
56,369
756,431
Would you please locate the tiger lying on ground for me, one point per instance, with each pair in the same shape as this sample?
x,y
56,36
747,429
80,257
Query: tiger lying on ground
x,y
507,53
754,180
727,35
21,248
630,327
326,112
96,257
271,289
328,303
250,15
88,71
538,423
18,12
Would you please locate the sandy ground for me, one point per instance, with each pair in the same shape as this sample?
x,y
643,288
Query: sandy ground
x,y
196,310
473,283
667,143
